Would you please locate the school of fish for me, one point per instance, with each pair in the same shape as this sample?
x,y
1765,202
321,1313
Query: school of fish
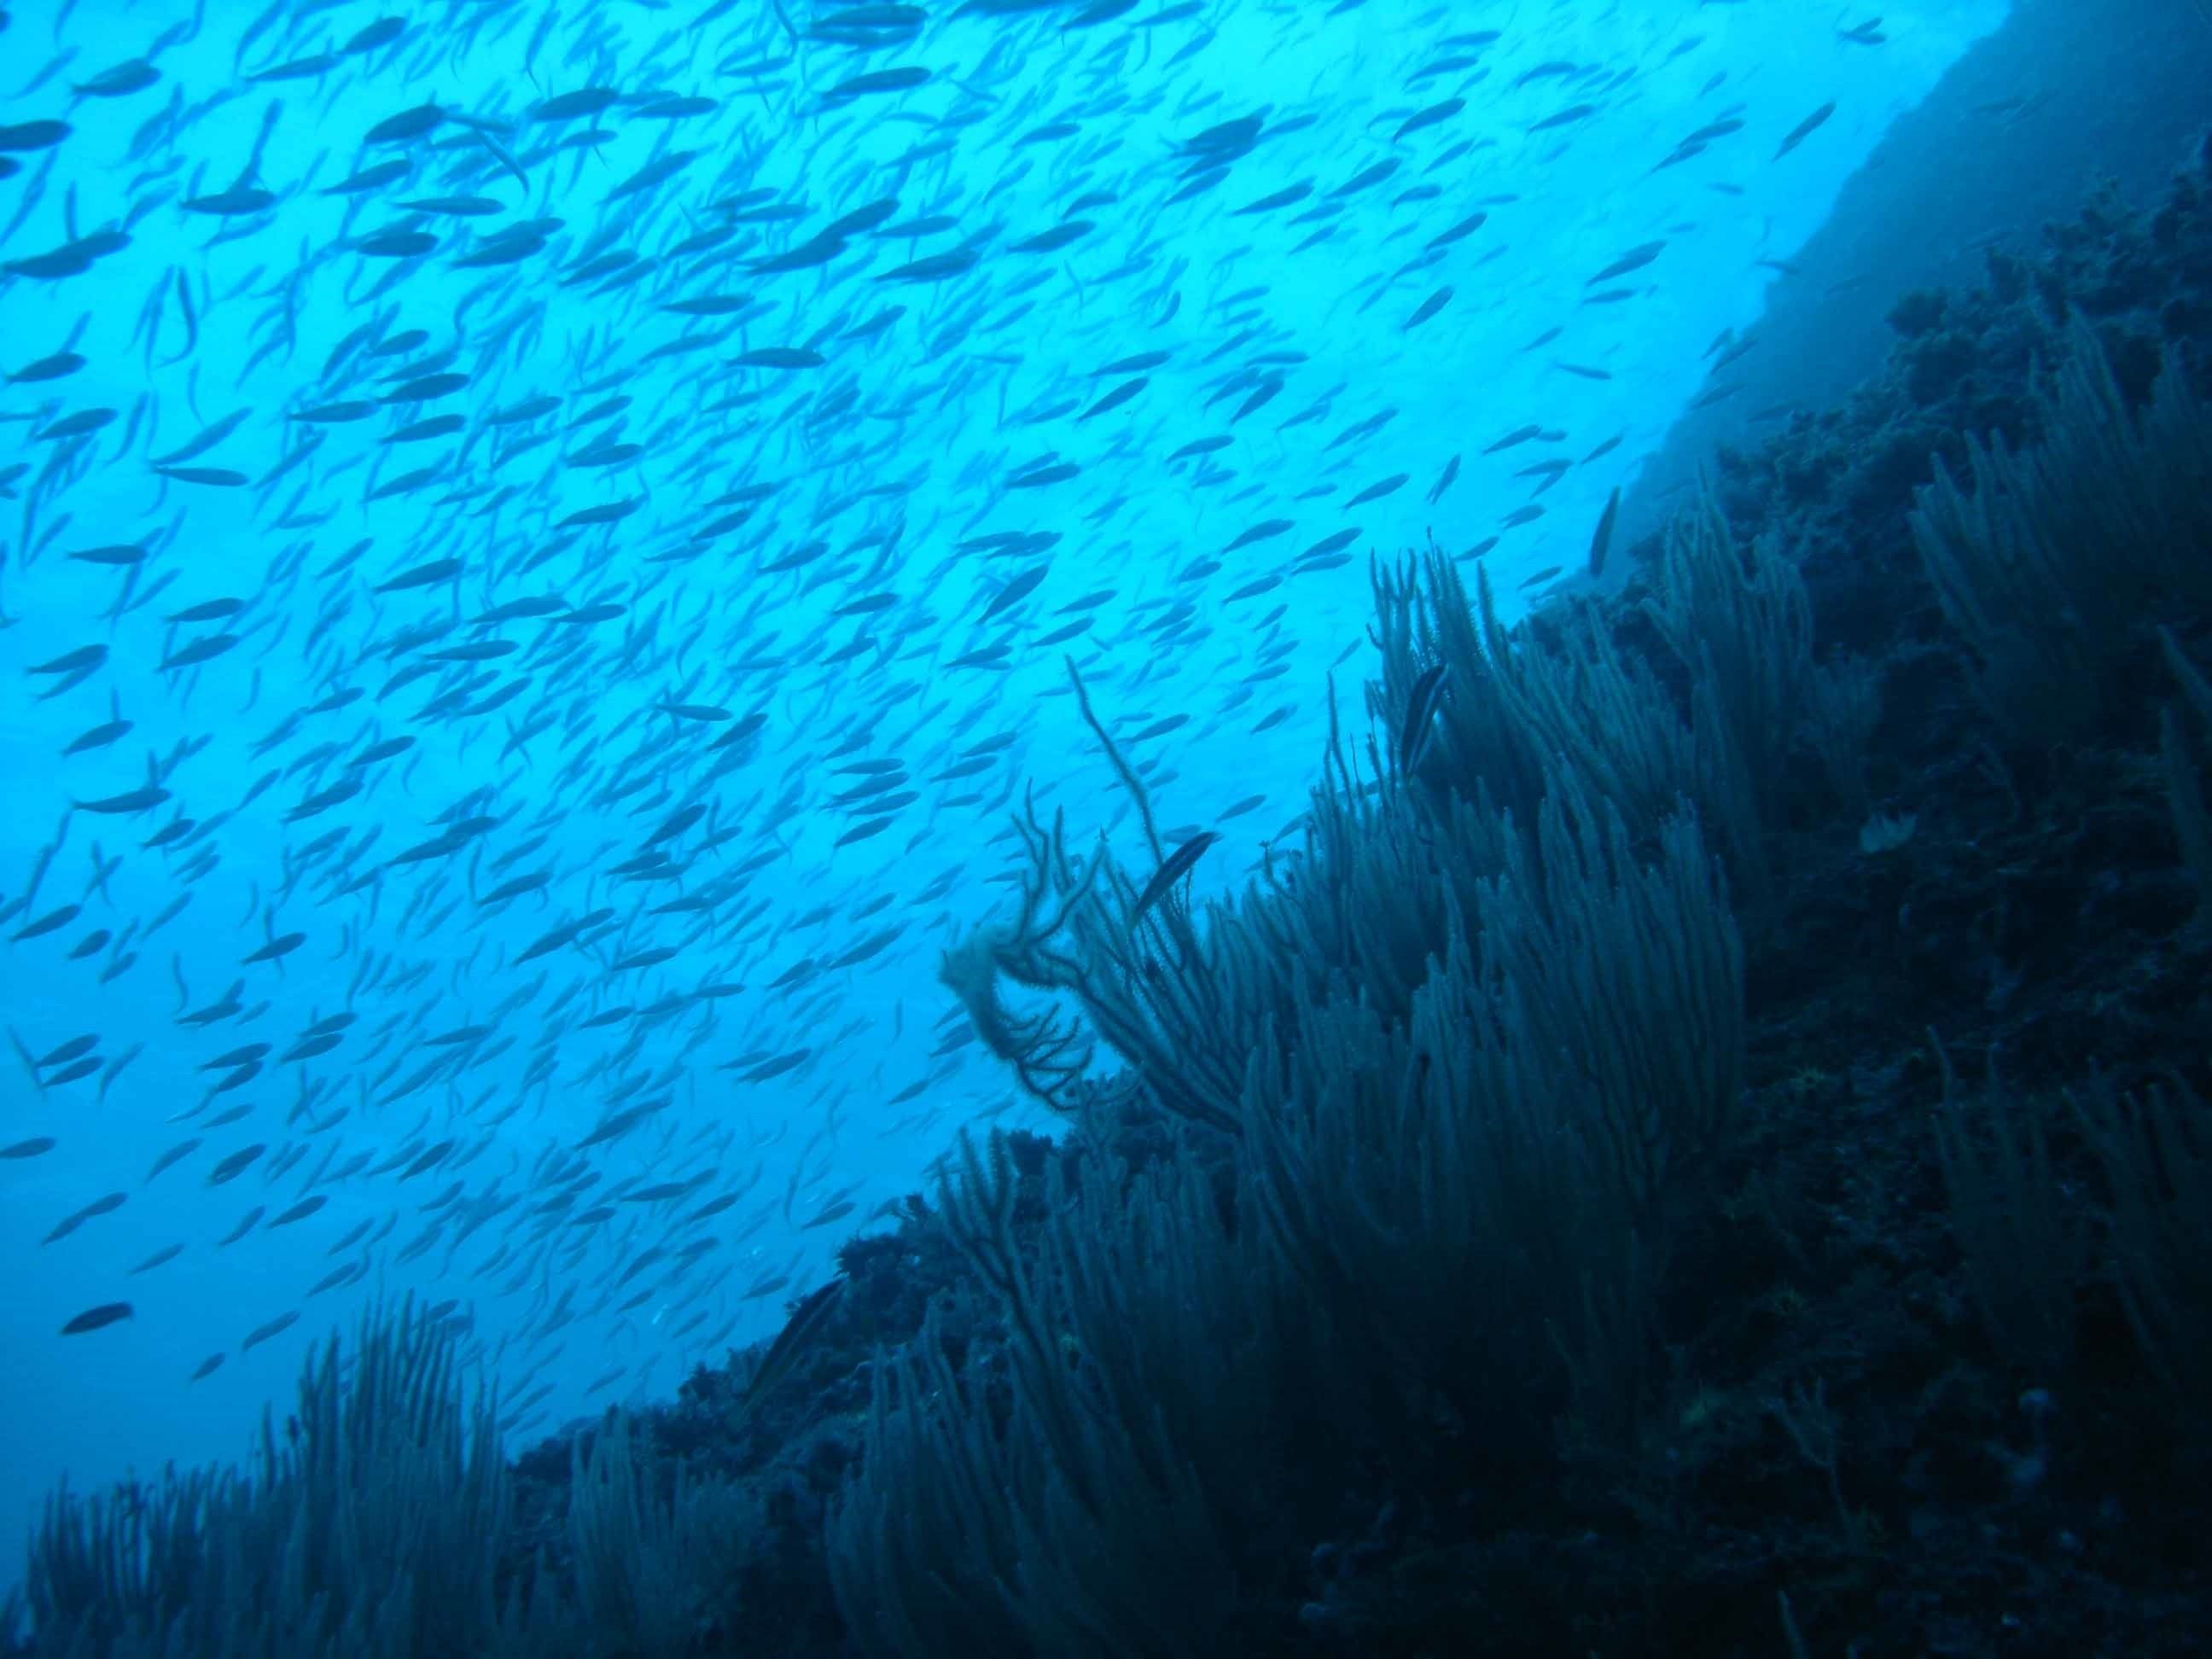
x,y
538,542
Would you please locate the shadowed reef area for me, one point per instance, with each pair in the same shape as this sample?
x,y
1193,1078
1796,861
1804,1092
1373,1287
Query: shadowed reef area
x,y
1703,1151
2060,102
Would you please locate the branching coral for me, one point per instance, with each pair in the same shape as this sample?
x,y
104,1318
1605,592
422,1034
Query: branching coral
x,y
2051,564
375,1526
1147,1407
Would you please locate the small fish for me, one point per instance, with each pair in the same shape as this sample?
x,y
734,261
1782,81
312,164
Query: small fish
x,y
183,1149
406,126
235,1165
1421,705
807,1323
260,1334
1603,537
105,1205
872,82
131,801
134,75
107,1313
1433,116
75,1048
53,921
1114,399
778,357
32,135
1635,260
1429,308
1173,869
1805,129
1378,490
167,1253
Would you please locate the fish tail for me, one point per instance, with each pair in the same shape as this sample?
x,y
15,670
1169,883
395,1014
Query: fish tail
x,y
30,1064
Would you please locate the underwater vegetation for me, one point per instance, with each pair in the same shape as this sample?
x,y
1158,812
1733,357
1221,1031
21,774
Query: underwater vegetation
x,y
1704,1148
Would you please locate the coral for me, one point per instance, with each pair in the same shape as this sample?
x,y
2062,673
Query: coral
x,y
2059,560
377,1527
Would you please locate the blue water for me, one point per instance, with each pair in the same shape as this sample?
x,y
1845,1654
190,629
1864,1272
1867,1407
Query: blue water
x,y
853,568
